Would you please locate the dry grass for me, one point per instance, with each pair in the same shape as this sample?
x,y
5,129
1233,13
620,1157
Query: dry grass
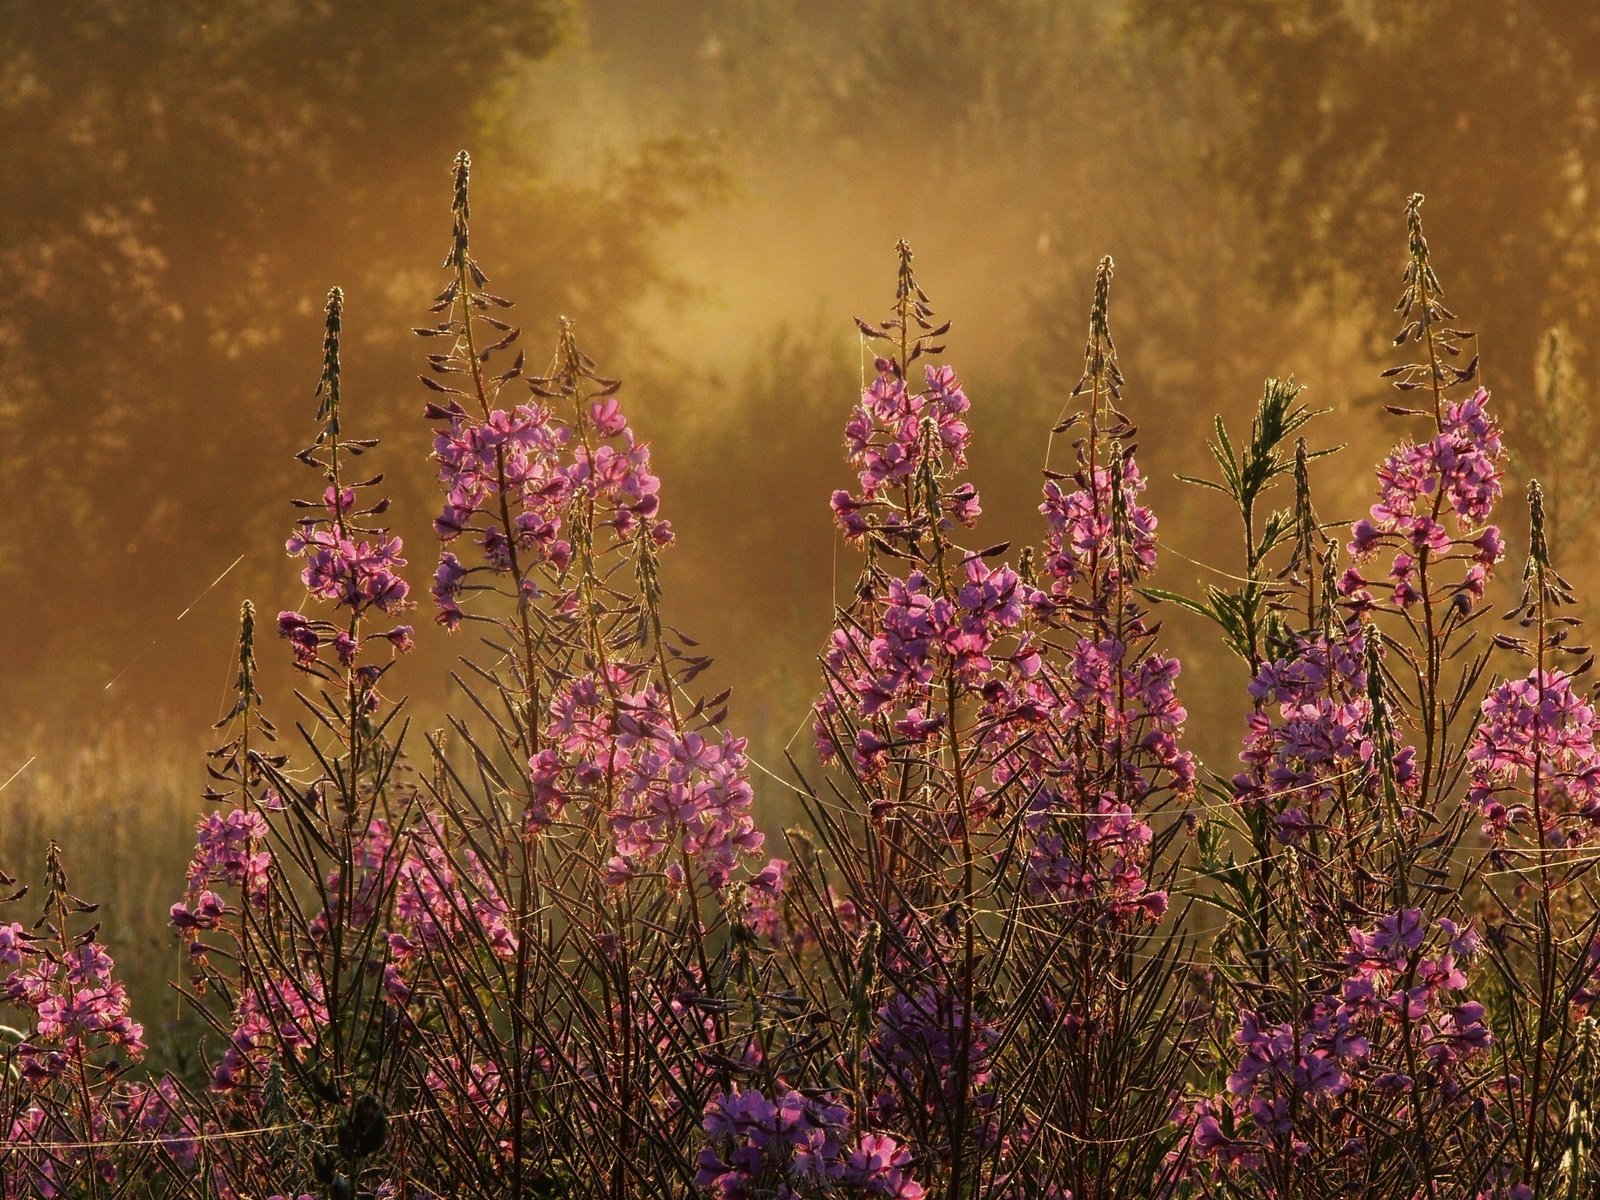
x,y
121,802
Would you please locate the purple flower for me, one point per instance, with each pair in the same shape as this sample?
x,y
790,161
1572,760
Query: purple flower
x,y
1456,472
879,1166
763,913
888,437
302,636
793,1145
1538,720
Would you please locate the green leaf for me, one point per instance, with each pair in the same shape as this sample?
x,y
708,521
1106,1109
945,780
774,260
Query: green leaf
x,y
1222,451
1162,596
1205,483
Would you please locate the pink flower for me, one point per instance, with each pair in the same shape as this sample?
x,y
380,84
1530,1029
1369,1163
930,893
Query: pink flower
x,y
1457,471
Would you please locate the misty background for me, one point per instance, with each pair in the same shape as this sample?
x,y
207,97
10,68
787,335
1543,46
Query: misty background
x,y
712,191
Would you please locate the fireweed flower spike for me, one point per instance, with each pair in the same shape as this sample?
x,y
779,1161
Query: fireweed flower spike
x,y
904,685
226,898
998,736
557,494
569,915
1431,522
1360,1059
888,435
292,891
239,982
229,869
1535,778
1310,756
1541,725
1094,756
501,469
1114,693
351,567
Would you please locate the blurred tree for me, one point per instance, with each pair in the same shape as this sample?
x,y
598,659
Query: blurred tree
x,y
184,180
1490,107
1025,143
1562,426
1048,134
789,401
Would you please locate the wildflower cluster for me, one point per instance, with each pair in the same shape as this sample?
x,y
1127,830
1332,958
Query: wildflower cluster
x,y
1005,737
1310,747
795,1144
72,1112
1101,745
1087,540
1540,725
1306,1097
1025,948
227,854
521,479
353,568
1361,1058
79,1008
1458,473
679,794
898,438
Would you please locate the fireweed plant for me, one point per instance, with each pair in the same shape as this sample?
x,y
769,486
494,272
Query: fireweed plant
x,y
1362,1060
77,1124
294,892
573,894
1001,736
1022,944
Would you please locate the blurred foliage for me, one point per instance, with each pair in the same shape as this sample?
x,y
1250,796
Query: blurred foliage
x,y
1014,150
712,190
779,413
184,182
1048,134
1490,108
